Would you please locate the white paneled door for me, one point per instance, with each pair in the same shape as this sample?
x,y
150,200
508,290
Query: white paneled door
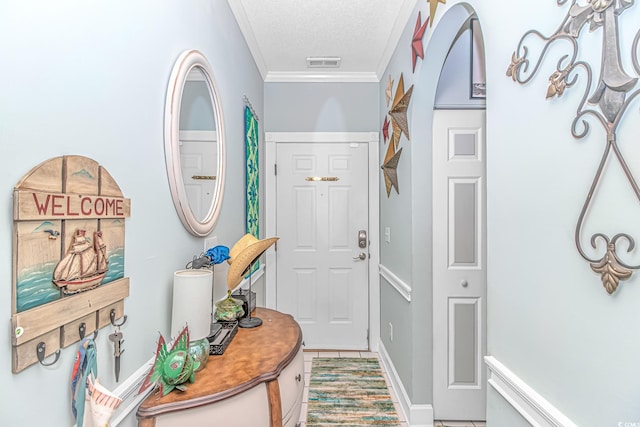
x,y
323,251
459,265
198,159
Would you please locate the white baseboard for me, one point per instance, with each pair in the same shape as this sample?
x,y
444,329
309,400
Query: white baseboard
x,y
417,415
533,407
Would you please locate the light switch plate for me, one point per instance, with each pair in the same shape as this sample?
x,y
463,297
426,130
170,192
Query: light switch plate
x,y
210,242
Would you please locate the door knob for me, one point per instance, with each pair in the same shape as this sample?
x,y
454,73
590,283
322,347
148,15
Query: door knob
x,y
464,283
360,257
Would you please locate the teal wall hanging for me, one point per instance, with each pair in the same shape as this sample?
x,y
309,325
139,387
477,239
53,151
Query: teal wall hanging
x,y
252,175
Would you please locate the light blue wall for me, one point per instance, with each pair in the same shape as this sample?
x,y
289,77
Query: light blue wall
x,y
457,68
408,214
549,319
410,339
321,107
501,413
90,79
396,311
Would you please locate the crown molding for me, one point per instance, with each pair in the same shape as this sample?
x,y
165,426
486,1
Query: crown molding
x,y
399,26
243,22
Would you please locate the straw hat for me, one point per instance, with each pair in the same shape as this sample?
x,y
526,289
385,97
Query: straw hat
x,y
243,254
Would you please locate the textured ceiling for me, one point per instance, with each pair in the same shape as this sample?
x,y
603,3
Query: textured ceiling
x,y
281,34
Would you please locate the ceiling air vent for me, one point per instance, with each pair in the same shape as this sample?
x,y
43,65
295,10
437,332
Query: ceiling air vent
x,y
323,62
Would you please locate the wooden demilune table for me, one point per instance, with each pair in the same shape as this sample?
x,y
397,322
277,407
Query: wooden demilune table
x,y
257,382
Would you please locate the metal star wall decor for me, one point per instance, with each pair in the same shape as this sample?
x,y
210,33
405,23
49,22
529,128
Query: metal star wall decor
x,y
395,139
389,89
433,5
390,169
417,51
385,129
395,135
606,104
399,107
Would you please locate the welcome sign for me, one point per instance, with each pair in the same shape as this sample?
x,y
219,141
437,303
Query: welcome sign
x,y
68,255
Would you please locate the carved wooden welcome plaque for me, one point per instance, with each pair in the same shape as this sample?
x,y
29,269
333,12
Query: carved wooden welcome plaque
x,y
68,255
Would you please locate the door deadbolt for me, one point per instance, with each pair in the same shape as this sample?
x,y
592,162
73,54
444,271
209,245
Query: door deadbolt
x,y
362,239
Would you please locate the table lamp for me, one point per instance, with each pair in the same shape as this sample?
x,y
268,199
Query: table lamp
x,y
192,294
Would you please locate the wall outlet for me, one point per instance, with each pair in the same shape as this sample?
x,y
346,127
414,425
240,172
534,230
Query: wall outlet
x,y
390,331
387,234
210,242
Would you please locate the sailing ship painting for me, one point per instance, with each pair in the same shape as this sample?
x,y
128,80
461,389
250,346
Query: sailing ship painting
x,y
84,265
34,282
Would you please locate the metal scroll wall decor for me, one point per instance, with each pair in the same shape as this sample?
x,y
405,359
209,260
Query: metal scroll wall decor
x,y
614,91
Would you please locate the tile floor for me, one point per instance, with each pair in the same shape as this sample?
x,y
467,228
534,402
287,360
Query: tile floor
x,y
459,424
309,355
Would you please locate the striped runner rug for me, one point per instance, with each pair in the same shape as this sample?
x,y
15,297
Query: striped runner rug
x,y
349,392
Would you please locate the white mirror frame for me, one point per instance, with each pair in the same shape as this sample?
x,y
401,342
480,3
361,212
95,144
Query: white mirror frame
x,y
184,64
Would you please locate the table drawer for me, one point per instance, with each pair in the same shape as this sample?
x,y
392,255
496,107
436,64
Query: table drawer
x,y
291,383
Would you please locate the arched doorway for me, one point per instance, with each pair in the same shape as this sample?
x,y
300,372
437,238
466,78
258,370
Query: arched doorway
x,y
454,124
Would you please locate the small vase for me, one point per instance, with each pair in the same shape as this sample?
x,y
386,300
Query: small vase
x,y
229,309
199,350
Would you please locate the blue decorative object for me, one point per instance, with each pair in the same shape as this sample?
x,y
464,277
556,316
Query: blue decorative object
x,y
218,254
213,256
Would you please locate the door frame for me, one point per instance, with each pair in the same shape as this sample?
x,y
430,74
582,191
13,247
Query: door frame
x,y
372,139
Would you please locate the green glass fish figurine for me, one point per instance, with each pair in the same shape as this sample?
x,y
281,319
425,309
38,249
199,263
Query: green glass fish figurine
x,y
172,368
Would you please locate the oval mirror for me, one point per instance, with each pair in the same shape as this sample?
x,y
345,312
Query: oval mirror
x,y
194,143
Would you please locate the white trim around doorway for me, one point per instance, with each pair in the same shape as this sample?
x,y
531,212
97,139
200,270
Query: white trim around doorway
x,y
373,141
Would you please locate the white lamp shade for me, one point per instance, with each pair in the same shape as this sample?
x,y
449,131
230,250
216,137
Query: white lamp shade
x,y
192,294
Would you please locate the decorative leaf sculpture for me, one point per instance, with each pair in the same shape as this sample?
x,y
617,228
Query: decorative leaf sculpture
x,y
514,67
557,83
610,270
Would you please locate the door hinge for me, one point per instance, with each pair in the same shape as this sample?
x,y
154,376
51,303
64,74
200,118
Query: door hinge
x,y
275,169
